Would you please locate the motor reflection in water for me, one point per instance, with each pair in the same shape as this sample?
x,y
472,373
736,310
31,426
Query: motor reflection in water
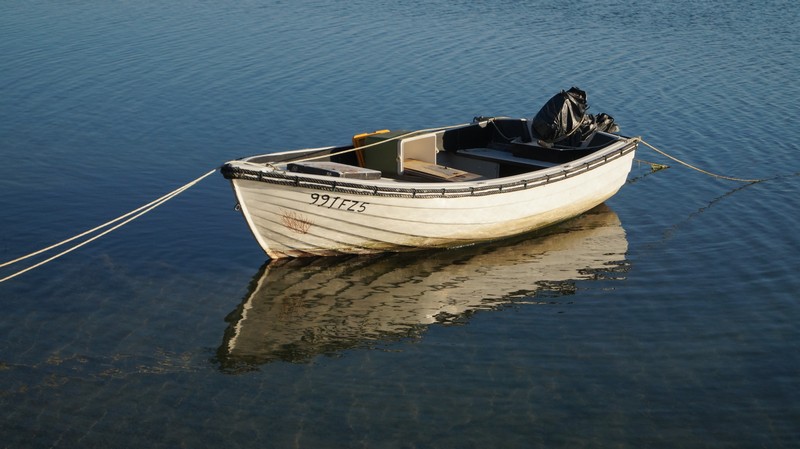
x,y
297,309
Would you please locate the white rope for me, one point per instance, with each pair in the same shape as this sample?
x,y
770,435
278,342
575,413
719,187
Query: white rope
x,y
134,214
368,146
686,164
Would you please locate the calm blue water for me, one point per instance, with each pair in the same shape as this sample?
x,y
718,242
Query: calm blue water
x,y
668,319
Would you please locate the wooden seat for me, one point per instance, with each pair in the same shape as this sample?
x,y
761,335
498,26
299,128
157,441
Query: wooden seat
x,y
504,157
437,172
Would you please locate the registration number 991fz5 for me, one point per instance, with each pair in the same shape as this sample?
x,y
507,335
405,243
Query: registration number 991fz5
x,y
337,202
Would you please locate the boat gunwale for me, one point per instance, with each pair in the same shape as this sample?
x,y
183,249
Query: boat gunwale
x,y
270,174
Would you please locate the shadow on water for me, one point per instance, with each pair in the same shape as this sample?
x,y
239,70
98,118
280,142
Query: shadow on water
x,y
297,309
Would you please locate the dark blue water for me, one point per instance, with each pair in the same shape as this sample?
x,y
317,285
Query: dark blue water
x,y
670,322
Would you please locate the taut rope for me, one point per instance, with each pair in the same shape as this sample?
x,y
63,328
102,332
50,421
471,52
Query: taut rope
x,y
134,214
730,178
363,147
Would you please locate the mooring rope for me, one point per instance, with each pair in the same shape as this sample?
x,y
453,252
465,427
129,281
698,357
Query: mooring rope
x,y
686,164
134,214
364,147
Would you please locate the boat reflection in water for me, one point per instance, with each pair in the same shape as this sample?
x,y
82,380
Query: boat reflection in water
x,y
299,308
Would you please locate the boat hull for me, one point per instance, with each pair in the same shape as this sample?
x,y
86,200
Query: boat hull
x,y
294,215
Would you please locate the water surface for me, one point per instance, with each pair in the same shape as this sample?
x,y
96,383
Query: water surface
x,y
666,318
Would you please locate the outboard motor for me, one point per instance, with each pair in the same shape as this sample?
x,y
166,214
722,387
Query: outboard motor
x,y
563,120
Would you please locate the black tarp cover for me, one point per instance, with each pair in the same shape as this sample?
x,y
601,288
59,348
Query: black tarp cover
x,y
563,119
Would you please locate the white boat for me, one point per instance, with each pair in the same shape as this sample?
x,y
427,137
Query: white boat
x,y
435,188
296,309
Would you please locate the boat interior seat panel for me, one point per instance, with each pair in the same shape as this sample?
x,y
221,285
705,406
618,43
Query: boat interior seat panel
x,y
504,157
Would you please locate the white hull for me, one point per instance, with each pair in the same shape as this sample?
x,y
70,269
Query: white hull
x,y
296,215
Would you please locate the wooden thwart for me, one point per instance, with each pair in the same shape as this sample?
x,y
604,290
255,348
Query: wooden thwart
x,y
504,157
437,172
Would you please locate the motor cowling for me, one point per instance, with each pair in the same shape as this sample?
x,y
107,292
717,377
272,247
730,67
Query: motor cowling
x,y
563,119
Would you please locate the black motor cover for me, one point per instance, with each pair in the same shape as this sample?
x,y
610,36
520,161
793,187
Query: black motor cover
x,y
564,118
561,116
